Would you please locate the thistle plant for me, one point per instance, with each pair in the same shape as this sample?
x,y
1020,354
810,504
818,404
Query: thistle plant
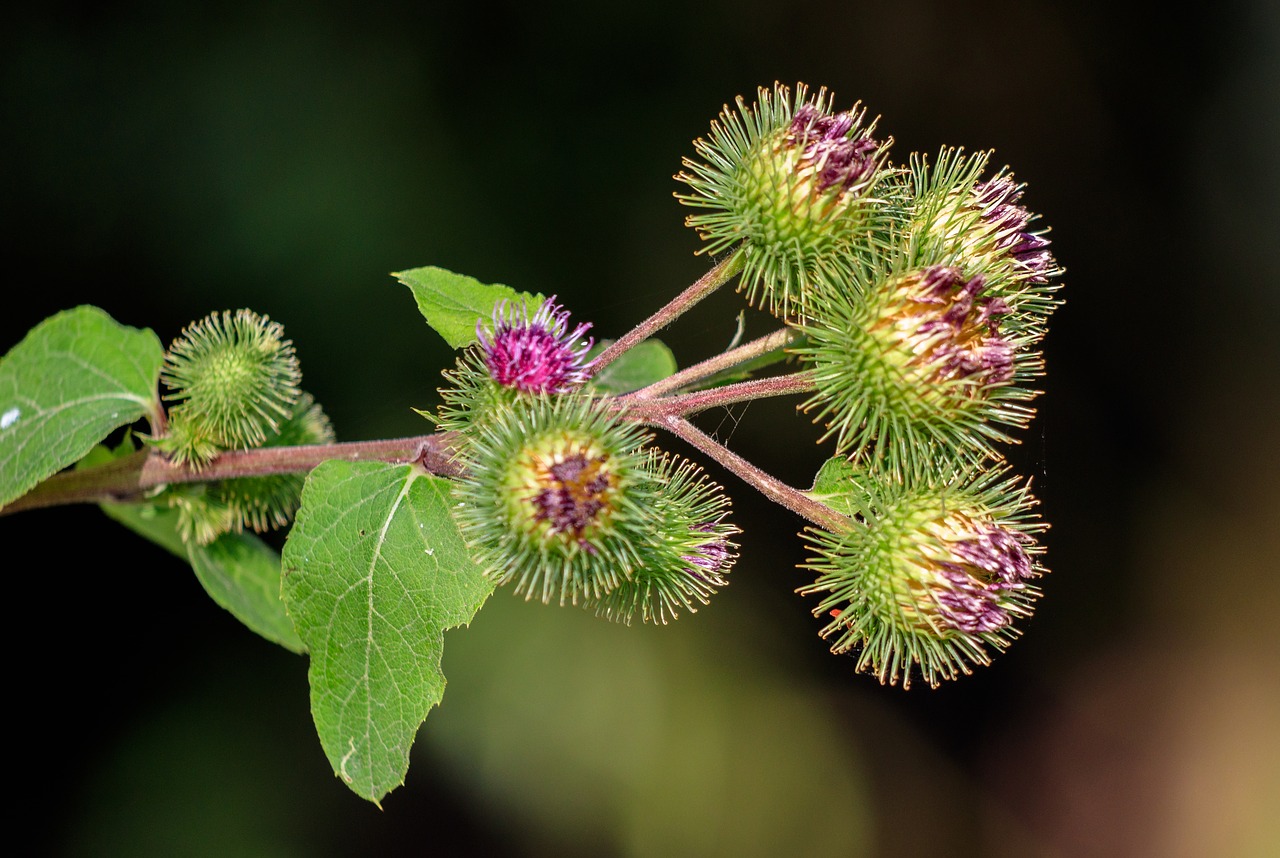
x,y
910,301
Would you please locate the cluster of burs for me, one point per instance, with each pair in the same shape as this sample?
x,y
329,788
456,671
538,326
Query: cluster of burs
x,y
913,297
915,294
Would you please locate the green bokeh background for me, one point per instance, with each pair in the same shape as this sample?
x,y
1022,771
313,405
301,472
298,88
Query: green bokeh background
x,y
164,161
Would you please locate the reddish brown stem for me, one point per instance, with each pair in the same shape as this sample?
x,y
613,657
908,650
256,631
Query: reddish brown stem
x,y
771,487
131,477
676,307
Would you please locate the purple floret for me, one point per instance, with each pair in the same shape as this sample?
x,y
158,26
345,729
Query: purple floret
x,y
535,355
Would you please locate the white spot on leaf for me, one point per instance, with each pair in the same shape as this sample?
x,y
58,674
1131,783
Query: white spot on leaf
x,y
10,417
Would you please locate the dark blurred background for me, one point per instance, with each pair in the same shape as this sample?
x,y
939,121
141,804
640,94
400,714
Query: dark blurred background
x,y
167,160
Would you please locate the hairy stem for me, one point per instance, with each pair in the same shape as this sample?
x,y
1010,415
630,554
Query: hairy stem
x,y
712,366
768,485
654,410
131,477
708,283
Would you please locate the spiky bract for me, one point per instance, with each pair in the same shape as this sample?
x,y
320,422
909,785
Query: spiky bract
x,y
470,396
561,499
921,358
795,185
932,574
688,552
235,379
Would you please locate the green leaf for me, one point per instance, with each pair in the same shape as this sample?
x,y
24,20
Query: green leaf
x,y
73,379
238,570
242,574
453,303
831,485
639,367
374,572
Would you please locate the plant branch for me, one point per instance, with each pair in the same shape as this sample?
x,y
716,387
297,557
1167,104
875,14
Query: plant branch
x,y
768,485
712,366
708,283
655,410
132,477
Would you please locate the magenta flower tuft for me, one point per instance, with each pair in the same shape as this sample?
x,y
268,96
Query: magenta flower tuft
x,y
838,160
999,199
576,492
711,558
538,354
950,330
972,587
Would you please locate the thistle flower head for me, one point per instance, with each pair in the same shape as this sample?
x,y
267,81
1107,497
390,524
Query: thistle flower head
x,y
538,354
933,575
923,358
980,226
235,379
793,182
1008,226
549,499
560,499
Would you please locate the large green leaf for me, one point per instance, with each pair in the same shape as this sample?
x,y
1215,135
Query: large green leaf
x,y
453,303
638,367
73,379
238,570
374,572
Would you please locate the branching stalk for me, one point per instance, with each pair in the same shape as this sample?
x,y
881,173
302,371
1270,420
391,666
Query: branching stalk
x,y
655,410
720,363
705,285
771,487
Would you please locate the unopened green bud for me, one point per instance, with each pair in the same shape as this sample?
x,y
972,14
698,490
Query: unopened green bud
x,y
235,379
208,510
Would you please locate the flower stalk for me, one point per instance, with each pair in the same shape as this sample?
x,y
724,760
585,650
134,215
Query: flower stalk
x,y
133,477
768,485
722,273
719,364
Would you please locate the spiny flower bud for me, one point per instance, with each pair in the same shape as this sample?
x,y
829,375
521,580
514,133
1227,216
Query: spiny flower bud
x,y
549,498
933,573
688,553
923,358
981,227
793,182
538,354
235,378
560,499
